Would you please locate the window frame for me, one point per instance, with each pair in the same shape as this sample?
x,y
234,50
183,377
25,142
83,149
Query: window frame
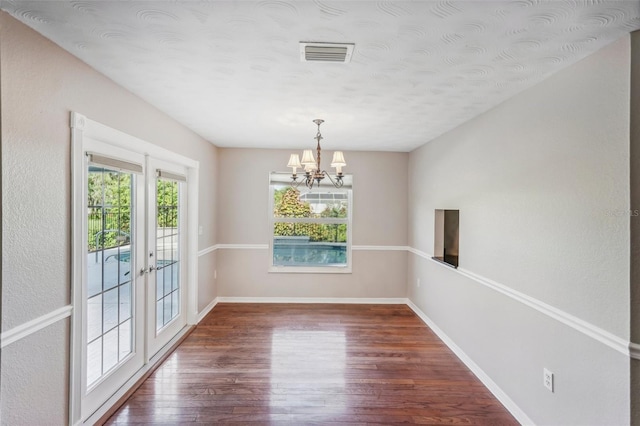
x,y
328,269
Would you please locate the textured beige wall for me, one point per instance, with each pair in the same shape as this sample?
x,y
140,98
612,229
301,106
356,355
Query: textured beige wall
x,y
542,185
635,222
379,218
41,84
376,274
35,373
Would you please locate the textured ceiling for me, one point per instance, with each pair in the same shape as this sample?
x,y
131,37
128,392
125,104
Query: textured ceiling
x,y
231,70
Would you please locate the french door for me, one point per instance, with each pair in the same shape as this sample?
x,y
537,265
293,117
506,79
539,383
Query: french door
x,y
113,292
166,247
131,298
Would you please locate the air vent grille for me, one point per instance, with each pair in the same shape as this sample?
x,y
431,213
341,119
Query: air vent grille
x,y
326,52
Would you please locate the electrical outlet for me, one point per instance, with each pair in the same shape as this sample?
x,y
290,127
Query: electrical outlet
x,y
548,379
418,282
215,274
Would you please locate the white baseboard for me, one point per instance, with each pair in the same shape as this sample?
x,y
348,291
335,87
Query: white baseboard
x,y
207,309
350,300
481,375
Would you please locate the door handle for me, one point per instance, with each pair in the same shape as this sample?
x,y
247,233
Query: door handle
x,y
143,271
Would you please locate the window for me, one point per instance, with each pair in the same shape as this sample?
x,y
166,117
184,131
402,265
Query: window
x,y
310,229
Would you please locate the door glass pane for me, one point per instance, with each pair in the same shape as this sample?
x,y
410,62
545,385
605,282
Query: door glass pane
x,y
125,302
124,345
168,251
94,360
94,317
109,278
110,310
159,314
110,350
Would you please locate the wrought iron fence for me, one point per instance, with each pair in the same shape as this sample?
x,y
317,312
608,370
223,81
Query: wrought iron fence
x,y
108,227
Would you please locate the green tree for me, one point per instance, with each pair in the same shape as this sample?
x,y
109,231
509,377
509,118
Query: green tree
x,y
167,203
109,204
336,232
287,204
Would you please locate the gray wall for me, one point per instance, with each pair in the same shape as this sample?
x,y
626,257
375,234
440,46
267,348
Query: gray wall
x,y
379,219
40,85
542,185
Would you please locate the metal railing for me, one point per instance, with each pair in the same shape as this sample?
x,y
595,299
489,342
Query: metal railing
x,y
103,223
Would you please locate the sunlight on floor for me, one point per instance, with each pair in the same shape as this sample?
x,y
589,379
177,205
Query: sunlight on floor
x,y
308,359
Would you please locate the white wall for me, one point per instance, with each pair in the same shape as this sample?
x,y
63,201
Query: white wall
x,y
40,85
542,185
379,219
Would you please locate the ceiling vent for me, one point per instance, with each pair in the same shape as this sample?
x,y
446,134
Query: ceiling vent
x,y
326,52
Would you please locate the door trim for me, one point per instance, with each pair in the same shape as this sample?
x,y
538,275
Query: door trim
x,y
83,127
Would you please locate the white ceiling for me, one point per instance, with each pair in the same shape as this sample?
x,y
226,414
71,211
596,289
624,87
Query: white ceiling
x,y
231,70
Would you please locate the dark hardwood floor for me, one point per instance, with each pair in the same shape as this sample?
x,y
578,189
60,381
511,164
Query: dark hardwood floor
x,y
303,364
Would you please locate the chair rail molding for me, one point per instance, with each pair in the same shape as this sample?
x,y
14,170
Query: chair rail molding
x,y
605,337
207,250
28,328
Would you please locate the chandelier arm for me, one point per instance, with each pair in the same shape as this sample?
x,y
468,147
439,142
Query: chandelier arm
x,y
309,181
338,183
295,183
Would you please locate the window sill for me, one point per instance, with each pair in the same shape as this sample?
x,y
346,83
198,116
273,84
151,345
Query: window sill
x,y
451,261
309,270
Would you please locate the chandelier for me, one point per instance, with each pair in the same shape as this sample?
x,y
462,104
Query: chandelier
x,y
313,174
